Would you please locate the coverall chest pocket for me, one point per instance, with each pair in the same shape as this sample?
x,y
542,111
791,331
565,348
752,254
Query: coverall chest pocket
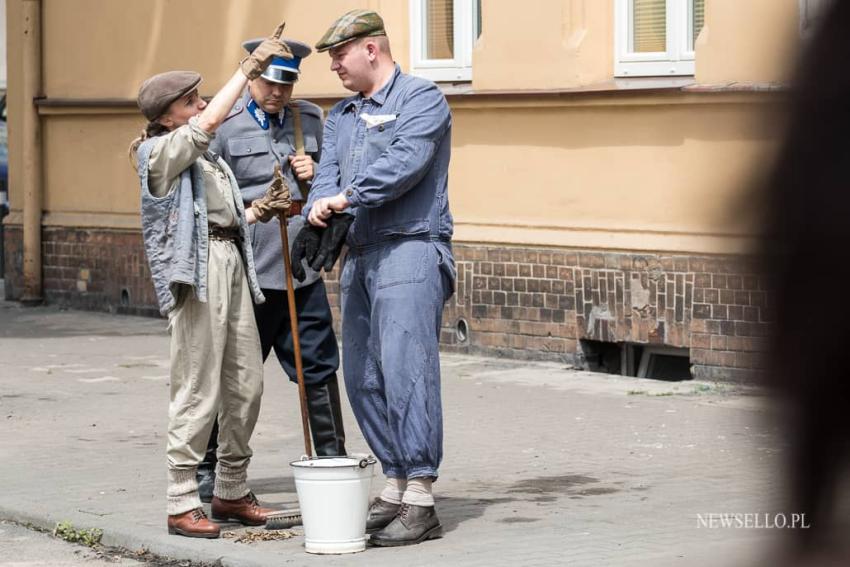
x,y
378,138
250,158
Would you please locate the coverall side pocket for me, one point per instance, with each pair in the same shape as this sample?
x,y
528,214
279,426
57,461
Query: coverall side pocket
x,y
448,271
402,264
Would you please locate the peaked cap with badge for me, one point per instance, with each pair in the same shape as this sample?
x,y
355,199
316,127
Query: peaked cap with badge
x,y
282,70
350,26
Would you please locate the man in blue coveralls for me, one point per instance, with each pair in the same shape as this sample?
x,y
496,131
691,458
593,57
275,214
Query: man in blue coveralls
x,y
385,159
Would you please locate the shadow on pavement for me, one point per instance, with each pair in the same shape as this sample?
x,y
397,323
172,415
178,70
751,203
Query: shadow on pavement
x,y
454,511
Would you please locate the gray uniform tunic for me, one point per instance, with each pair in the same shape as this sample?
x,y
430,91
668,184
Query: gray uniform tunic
x,y
252,154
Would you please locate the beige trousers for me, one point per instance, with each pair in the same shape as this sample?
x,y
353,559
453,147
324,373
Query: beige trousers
x,y
216,370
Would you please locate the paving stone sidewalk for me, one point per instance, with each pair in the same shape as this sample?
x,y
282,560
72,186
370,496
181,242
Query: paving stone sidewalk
x,y
544,465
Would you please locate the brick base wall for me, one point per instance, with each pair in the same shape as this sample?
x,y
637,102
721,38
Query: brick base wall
x,y
540,303
522,302
95,269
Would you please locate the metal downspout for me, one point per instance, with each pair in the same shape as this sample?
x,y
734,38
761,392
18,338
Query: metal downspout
x,y
31,161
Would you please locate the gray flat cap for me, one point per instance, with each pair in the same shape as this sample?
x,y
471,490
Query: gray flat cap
x,y
158,92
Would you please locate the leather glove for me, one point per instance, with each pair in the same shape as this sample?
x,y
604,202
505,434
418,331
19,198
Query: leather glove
x,y
332,240
277,199
304,247
256,62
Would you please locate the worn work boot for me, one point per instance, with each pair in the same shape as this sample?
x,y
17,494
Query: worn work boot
x,y
381,513
193,523
245,510
413,524
326,418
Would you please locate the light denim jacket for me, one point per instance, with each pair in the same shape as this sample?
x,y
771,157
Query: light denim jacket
x,y
175,232
394,172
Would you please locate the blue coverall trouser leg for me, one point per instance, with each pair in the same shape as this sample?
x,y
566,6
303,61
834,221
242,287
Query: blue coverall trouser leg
x,y
392,306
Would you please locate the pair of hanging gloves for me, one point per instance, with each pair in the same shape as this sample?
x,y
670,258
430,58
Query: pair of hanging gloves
x,y
320,247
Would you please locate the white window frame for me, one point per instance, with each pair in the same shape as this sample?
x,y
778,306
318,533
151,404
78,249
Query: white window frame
x,y
678,59
465,33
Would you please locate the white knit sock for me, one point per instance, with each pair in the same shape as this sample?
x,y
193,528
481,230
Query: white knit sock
x,y
393,489
182,491
230,483
418,492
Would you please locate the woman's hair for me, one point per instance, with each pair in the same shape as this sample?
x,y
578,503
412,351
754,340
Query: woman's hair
x,y
152,130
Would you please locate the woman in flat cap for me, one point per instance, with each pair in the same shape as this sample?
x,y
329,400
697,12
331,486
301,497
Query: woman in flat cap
x,y
195,231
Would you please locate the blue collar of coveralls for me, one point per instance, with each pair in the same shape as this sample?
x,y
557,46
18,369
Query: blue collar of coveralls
x,y
263,118
379,97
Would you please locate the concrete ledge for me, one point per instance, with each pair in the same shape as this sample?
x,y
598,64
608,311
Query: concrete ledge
x,y
133,537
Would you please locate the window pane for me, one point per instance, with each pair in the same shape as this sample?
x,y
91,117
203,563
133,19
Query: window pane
x,y
697,19
649,26
439,32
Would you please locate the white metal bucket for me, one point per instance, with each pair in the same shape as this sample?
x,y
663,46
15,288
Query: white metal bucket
x,y
333,493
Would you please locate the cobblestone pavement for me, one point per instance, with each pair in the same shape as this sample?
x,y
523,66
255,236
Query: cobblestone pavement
x,y
544,465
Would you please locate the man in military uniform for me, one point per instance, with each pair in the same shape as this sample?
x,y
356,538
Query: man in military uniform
x,y
260,132
385,167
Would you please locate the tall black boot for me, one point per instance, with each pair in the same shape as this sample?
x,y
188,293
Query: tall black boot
x,y
206,469
326,418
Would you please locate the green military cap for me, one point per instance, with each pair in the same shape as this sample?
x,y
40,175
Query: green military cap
x,y
353,25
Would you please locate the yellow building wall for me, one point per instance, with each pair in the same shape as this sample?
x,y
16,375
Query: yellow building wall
x,y
639,174
619,171
751,41
556,44
117,44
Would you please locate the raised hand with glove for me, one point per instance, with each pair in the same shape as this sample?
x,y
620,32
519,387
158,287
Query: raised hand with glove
x,y
277,199
256,62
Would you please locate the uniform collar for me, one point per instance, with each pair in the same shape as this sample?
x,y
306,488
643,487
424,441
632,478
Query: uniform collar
x,y
263,118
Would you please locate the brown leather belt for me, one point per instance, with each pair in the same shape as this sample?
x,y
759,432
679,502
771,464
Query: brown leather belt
x,y
225,233
295,208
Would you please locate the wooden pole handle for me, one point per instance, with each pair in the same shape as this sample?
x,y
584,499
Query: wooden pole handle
x,y
296,341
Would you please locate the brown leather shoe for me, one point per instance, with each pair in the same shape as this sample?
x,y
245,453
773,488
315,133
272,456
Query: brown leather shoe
x,y
193,523
245,510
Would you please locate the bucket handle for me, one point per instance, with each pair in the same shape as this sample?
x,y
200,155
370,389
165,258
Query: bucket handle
x,y
364,462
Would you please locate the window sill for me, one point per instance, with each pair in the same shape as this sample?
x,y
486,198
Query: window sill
x,y
636,85
459,92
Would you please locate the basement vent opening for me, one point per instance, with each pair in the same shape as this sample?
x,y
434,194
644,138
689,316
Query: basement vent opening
x,y
462,331
643,361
